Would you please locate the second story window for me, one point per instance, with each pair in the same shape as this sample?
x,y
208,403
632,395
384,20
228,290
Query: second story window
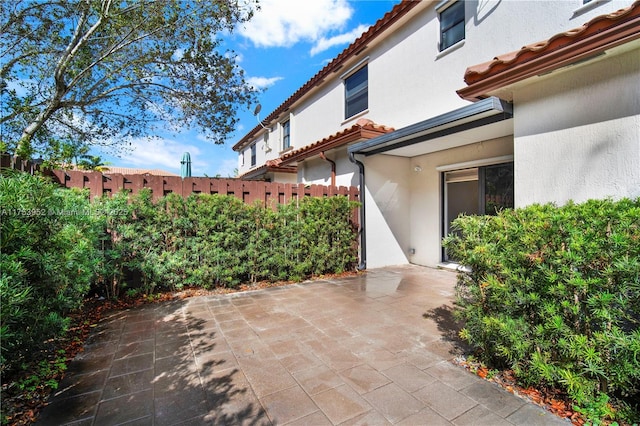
x,y
286,135
253,155
452,24
356,92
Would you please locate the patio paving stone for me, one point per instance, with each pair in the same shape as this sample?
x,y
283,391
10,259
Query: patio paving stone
x,y
341,403
372,349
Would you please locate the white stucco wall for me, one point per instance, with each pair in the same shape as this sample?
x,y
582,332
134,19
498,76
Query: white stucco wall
x,y
318,172
577,133
387,196
285,178
410,80
404,207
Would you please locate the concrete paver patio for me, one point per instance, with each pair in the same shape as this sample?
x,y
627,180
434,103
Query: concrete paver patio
x,y
350,351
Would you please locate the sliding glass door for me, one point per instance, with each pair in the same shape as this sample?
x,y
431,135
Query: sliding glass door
x,y
476,191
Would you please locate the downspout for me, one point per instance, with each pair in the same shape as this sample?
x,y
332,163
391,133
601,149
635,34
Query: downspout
x,y
363,234
333,168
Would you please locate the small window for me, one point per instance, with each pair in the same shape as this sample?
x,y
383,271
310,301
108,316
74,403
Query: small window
x,y
253,155
452,25
356,97
286,135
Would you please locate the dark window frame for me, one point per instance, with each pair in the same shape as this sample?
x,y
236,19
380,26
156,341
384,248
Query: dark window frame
x,y
356,92
454,13
286,135
488,204
254,151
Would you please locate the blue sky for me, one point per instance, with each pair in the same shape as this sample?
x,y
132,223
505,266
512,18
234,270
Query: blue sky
x,y
283,46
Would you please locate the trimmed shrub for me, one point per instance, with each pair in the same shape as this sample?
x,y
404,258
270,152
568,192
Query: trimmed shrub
x,y
56,246
215,240
554,294
49,255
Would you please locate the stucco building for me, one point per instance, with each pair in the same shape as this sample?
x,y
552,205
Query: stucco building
x,y
421,114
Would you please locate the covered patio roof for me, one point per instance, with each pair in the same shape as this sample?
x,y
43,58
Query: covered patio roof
x,y
260,173
489,118
363,129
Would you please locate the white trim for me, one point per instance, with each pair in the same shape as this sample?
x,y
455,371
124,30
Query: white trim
x,y
453,266
355,116
444,5
354,68
585,7
475,163
450,49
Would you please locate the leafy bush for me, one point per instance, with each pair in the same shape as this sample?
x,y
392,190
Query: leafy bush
x,y
213,240
56,246
48,257
554,294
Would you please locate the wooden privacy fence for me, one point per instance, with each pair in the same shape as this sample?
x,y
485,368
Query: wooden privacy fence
x,y
247,191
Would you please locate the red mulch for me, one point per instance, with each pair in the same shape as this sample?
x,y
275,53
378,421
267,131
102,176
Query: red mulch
x,y
551,399
23,408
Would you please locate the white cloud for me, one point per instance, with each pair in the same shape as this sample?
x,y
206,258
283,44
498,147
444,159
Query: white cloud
x,y
260,83
227,168
237,57
178,54
159,153
22,86
325,43
282,23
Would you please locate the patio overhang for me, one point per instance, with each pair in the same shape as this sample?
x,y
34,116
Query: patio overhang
x,y
363,129
487,119
262,172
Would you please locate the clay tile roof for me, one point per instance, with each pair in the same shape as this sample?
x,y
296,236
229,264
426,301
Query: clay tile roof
x,y
363,129
271,166
601,33
352,50
131,171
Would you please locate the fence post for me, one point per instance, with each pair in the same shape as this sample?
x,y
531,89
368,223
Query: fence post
x,y
269,193
95,183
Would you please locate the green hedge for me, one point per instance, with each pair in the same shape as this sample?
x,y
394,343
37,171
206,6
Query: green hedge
x,y
214,240
554,294
49,256
56,247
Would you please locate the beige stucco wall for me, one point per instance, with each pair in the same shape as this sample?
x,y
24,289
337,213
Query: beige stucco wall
x,y
404,206
577,133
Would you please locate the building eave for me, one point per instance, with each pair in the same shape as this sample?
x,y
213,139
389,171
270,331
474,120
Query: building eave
x,y
259,173
481,113
364,129
353,50
599,35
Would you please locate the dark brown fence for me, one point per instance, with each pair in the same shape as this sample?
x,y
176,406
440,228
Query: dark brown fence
x,y
248,191
7,161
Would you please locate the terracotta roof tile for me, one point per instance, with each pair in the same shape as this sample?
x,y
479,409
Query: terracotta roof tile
x,y
108,170
363,129
353,49
270,166
600,33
